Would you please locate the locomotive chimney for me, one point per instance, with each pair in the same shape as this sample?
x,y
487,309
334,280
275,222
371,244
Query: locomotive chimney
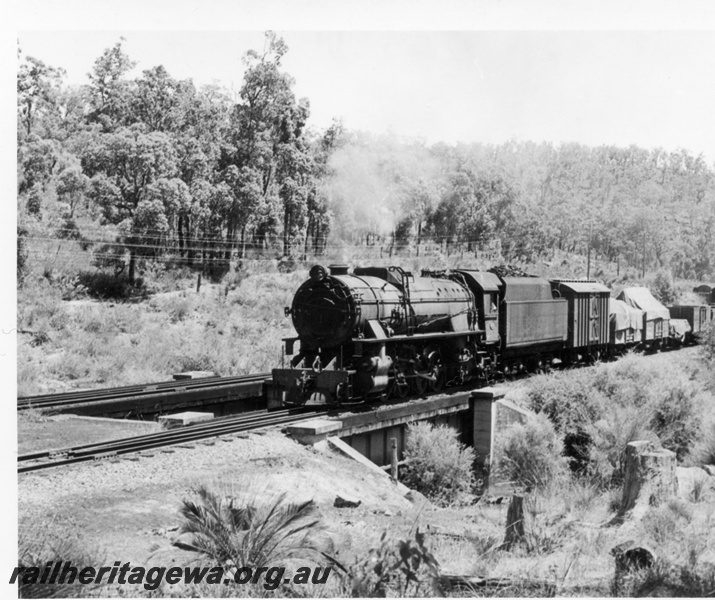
x,y
317,273
338,269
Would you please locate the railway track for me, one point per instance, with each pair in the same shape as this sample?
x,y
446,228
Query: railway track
x,y
47,459
149,398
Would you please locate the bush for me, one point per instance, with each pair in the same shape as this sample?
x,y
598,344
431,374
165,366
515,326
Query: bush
x,y
663,288
106,286
22,254
675,418
707,341
530,455
661,524
609,437
437,464
665,579
405,569
250,533
702,451
569,399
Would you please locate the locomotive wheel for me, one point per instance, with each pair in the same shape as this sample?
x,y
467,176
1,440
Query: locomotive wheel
x,y
400,391
420,385
440,379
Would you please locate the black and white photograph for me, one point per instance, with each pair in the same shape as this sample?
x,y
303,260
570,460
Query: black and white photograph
x,y
359,299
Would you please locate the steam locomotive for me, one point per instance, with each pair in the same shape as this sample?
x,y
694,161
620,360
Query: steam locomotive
x,y
382,332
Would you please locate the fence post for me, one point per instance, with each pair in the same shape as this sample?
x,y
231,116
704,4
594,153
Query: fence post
x,y
393,465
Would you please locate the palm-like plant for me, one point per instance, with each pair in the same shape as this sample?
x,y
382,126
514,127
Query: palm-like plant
x,y
248,534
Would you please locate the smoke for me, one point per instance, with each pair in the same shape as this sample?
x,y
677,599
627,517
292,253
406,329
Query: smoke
x,y
370,182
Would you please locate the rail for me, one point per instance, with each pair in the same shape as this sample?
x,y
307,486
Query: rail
x,y
46,459
199,388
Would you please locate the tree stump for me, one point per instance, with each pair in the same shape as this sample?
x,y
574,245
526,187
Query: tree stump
x,y
514,523
629,559
649,476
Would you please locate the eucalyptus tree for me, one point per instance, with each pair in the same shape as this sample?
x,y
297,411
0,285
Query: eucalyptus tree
x,y
38,86
266,146
131,172
109,91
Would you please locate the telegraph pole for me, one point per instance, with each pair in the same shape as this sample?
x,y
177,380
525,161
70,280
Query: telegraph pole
x,y
588,256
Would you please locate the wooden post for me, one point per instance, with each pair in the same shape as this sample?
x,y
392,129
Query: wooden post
x,y
198,283
393,464
514,522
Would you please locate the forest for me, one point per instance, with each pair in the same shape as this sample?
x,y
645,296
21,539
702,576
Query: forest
x,y
120,174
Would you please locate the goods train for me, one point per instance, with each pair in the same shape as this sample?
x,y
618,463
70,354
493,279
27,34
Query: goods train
x,y
383,332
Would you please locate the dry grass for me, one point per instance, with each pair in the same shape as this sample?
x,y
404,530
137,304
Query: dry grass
x,y
228,331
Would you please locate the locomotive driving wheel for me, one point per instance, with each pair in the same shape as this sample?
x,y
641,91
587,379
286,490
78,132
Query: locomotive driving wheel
x,y
438,373
440,378
420,385
399,386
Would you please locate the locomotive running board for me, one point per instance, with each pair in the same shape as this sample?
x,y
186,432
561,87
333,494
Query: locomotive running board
x,y
417,336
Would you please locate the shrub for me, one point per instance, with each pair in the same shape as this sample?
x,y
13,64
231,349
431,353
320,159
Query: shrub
x,y
625,382
437,464
569,399
707,341
405,569
702,451
545,530
106,286
254,534
663,523
22,254
531,454
667,579
179,309
609,437
663,288
675,418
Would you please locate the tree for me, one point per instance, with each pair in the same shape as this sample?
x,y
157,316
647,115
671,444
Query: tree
x,y
109,93
37,160
38,86
124,166
71,188
155,99
266,137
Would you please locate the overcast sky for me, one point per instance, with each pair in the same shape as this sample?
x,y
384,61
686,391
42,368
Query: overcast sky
x,y
605,87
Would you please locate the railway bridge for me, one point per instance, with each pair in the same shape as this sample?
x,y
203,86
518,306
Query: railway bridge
x,y
477,415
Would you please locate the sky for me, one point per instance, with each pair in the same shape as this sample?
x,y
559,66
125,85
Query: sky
x,y
649,88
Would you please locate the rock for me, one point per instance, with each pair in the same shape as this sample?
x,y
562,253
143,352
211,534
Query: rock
x,y
341,502
416,497
185,542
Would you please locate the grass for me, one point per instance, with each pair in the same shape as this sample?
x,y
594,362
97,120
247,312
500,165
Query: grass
x,y
231,329
53,541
